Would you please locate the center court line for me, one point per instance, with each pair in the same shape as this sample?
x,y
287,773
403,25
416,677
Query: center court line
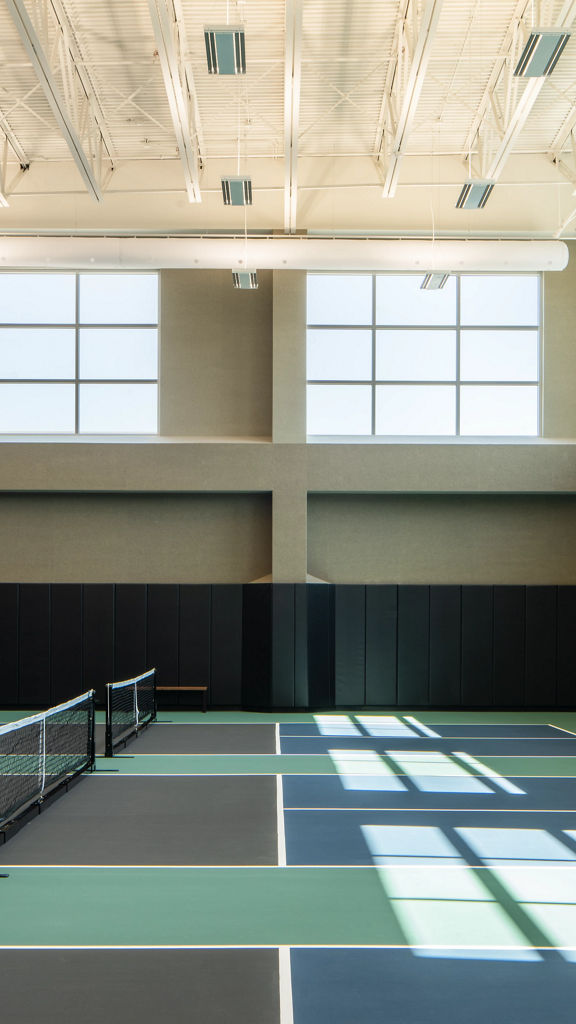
x,y
284,966
285,985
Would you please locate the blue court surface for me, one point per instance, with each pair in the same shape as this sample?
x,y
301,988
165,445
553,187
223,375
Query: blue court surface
x,y
463,850
394,986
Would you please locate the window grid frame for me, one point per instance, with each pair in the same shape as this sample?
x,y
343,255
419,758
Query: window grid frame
x,y
76,381
457,382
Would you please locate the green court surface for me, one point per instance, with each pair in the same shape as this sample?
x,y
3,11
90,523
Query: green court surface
x,y
194,906
276,907
217,764
563,719
307,764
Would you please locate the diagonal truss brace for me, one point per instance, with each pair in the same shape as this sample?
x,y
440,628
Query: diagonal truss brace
x,y
10,143
566,163
292,83
417,25
55,58
507,101
169,33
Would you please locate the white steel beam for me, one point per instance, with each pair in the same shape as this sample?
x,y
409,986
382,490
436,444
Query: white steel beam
x,y
405,80
501,114
292,84
179,84
72,101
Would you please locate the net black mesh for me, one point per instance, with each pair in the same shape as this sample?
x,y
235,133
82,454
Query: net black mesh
x,y
130,705
37,755
20,768
146,695
121,712
68,740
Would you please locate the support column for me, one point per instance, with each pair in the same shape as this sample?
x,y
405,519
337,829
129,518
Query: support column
x,y
289,357
290,519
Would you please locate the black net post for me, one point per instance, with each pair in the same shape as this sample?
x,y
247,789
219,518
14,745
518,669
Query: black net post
x,y
155,697
130,706
109,752
92,734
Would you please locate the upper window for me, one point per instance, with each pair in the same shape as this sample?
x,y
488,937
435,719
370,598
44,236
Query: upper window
x,y
386,357
78,353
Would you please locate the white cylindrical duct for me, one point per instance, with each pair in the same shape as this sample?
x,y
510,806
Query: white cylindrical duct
x,y
280,253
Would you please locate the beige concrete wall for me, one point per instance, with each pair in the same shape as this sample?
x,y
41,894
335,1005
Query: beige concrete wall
x,y
559,350
134,538
443,538
233,366
289,367
216,355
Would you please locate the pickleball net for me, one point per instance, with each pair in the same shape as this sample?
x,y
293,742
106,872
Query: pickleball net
x,y
130,706
40,753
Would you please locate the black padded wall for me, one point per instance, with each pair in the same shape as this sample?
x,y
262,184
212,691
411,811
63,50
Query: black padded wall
x,y
349,645
194,640
294,645
34,684
445,645
65,641
9,662
98,637
381,657
226,645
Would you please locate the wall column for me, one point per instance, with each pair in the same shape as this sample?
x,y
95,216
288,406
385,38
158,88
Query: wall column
x,y
289,357
290,518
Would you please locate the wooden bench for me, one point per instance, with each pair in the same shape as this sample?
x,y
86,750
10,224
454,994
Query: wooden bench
x,y
182,689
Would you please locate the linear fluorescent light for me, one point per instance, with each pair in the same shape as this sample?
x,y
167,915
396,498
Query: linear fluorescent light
x,y
541,53
225,50
474,195
434,281
244,279
237,191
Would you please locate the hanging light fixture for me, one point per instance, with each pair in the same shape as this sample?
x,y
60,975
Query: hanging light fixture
x,y
541,53
244,279
225,50
474,195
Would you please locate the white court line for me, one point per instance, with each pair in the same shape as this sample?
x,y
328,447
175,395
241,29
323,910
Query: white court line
x,y
555,865
444,739
280,828
265,753
256,774
280,822
285,986
303,945
443,810
569,731
227,775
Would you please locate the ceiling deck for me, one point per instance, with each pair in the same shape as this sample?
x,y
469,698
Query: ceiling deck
x,y
362,117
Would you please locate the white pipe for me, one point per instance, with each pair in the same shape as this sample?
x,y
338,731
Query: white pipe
x,y
280,253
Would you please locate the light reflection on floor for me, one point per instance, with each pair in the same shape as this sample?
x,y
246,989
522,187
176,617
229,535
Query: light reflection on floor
x,y
518,904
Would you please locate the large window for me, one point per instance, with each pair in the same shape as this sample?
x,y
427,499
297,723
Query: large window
x,y
386,357
78,353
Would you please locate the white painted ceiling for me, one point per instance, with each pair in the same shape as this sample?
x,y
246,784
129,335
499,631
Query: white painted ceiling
x,y
310,121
